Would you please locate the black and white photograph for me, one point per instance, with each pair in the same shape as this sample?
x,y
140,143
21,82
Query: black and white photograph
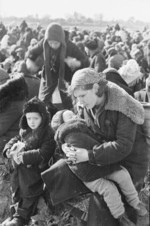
x,y
74,113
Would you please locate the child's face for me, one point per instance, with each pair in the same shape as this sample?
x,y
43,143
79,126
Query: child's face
x,y
68,115
34,119
54,44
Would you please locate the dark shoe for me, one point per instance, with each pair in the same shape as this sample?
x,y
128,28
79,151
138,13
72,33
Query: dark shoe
x,y
16,221
124,221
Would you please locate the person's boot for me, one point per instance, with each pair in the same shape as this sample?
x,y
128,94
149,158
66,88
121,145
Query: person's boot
x,y
142,215
16,221
125,221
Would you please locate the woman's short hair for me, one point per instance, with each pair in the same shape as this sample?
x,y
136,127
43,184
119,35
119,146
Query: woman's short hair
x,y
84,79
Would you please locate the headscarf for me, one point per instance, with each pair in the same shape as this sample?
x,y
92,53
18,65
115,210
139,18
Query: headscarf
x,y
130,72
54,32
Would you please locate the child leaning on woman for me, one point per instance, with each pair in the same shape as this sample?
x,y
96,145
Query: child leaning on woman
x,y
72,131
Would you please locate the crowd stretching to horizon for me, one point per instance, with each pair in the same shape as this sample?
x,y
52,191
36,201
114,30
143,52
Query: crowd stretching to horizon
x,y
111,48
48,76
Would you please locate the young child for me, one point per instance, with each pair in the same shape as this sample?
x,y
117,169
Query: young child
x,y
30,152
72,133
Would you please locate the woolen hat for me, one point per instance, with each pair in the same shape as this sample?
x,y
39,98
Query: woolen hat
x,y
87,76
115,61
55,32
57,119
91,44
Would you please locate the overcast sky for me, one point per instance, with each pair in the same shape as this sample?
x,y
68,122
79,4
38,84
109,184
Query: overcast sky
x,y
111,9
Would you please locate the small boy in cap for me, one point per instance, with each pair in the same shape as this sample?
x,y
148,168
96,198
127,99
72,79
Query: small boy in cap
x,y
30,152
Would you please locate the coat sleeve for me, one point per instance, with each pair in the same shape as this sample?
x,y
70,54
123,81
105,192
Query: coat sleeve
x,y
43,154
36,51
10,144
75,52
115,151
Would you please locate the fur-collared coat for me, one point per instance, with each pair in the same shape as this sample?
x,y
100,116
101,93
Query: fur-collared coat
x,y
119,123
13,95
39,148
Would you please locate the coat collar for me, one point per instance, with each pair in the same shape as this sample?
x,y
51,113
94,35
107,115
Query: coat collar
x,y
120,100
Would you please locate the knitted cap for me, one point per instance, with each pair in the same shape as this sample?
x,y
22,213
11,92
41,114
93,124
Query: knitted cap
x,y
57,120
86,76
91,44
55,32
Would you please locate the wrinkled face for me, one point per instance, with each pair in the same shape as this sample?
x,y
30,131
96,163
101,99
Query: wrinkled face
x,y
87,98
68,115
34,119
54,44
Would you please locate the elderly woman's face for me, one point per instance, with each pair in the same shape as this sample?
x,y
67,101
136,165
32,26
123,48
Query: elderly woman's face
x,y
53,44
87,98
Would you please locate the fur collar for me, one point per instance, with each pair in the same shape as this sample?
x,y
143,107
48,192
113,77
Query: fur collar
x,y
120,100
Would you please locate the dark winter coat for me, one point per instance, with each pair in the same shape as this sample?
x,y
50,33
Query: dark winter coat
x,y
72,50
77,134
39,148
113,75
98,61
120,125
69,177
13,95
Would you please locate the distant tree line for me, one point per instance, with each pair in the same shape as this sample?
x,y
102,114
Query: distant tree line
x,y
76,19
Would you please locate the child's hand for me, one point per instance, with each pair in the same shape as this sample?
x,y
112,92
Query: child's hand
x,y
14,147
17,157
76,155
70,153
19,146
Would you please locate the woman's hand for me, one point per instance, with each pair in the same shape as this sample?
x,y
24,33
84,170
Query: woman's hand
x,y
81,155
75,155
